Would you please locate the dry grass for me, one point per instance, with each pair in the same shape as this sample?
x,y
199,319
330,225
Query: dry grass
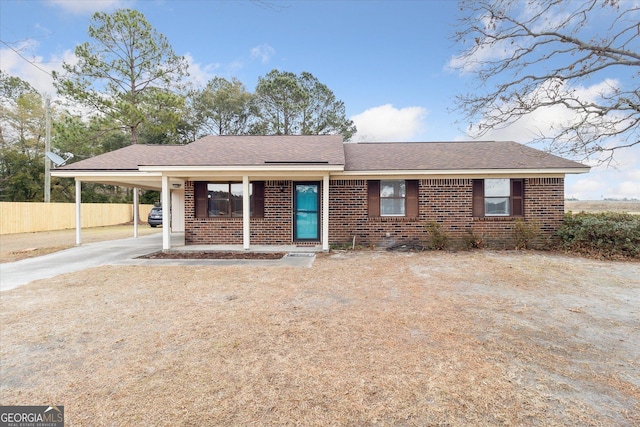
x,y
478,338
596,206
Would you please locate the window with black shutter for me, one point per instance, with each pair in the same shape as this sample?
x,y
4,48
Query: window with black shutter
x,y
225,199
393,198
497,197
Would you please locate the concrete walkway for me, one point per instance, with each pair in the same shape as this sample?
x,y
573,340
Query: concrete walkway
x,y
120,252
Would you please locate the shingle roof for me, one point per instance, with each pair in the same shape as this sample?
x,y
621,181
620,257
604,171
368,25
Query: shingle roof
x,y
127,158
327,149
449,156
260,150
223,151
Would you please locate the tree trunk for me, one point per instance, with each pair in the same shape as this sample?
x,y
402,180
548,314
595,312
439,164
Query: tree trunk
x,y
134,135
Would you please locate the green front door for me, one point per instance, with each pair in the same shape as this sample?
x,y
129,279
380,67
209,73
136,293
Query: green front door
x,y
306,205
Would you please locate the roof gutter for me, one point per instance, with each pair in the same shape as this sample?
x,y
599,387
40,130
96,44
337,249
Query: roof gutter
x,y
464,172
272,167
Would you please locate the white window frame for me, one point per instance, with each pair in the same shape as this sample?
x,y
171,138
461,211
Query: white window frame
x,y
497,190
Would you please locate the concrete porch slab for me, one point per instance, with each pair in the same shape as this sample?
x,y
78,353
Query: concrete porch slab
x,y
178,245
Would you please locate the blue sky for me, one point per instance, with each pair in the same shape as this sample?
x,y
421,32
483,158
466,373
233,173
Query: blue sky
x,y
387,60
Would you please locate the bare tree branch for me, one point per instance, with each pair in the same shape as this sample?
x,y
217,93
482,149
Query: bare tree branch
x,y
578,60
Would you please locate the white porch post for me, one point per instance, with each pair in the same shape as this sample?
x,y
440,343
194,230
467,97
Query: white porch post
x,y
166,209
78,212
135,212
325,213
246,213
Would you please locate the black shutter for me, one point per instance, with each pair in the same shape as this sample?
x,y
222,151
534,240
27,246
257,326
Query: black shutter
x,y
201,199
517,197
374,198
258,199
478,197
412,207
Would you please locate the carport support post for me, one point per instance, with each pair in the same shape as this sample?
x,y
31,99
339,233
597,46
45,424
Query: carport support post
x,y
166,209
78,212
135,213
246,213
325,213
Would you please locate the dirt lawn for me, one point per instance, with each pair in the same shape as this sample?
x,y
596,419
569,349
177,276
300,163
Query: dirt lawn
x,y
361,338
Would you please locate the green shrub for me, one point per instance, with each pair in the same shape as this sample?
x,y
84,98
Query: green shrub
x,y
606,234
524,232
439,238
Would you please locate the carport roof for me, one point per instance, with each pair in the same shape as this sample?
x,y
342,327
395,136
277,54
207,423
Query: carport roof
x,y
126,159
222,151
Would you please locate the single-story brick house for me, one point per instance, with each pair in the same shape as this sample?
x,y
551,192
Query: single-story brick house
x,y
317,190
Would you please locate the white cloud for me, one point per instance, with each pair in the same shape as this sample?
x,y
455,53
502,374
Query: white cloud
x,y
469,63
604,182
627,174
264,52
626,189
200,74
618,181
596,91
634,175
23,62
80,7
387,123
482,51
584,188
549,121
553,20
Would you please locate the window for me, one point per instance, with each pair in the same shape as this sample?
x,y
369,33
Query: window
x,y
225,199
393,197
498,197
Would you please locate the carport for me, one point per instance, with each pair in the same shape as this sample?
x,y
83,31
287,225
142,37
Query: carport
x,y
101,170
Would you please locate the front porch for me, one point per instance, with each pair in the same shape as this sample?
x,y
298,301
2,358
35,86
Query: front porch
x,y
257,213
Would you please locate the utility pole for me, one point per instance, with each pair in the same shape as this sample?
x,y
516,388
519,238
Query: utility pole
x,y
47,148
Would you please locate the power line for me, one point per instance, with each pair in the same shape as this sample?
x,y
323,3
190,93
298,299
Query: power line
x,y
17,52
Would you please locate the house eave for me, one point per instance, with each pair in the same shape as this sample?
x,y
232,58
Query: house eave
x,y
462,173
66,173
128,178
271,169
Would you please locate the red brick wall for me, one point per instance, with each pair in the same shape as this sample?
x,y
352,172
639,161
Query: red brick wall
x,y
274,229
445,201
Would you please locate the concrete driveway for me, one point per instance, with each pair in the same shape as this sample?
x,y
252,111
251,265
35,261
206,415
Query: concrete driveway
x,y
114,252
19,273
